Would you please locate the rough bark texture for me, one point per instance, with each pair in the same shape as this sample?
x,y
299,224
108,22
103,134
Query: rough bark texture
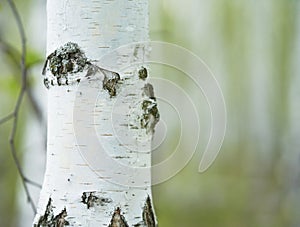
x,y
83,190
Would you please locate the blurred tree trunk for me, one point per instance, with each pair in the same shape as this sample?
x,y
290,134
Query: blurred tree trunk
x,y
85,184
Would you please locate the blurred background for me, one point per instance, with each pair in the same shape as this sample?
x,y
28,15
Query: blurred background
x,y
253,49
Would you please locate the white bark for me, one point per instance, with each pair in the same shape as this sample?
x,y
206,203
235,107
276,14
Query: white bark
x,y
85,149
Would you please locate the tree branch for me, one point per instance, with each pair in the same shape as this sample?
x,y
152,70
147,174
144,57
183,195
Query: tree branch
x,y
15,113
7,118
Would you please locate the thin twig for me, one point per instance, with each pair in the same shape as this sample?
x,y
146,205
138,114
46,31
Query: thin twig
x,y
19,102
12,52
33,183
7,118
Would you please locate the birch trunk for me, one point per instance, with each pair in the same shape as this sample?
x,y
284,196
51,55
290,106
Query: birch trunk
x,y
99,126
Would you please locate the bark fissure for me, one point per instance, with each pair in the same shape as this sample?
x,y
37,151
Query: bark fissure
x,y
118,220
147,215
50,220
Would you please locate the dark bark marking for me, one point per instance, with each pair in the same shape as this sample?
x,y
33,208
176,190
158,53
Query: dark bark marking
x,y
91,199
60,218
118,220
110,81
139,52
64,61
49,220
143,73
149,91
148,214
150,116
69,59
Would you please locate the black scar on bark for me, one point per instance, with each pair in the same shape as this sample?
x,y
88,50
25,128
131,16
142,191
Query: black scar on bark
x,y
148,215
150,116
118,220
63,62
91,199
68,60
49,220
110,81
143,73
149,91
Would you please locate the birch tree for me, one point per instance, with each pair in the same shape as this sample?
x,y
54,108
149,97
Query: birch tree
x,y
101,116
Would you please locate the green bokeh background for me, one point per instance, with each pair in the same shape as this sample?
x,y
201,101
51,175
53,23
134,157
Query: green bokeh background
x,y
253,49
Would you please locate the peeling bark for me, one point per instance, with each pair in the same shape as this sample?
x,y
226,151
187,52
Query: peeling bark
x,y
110,82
